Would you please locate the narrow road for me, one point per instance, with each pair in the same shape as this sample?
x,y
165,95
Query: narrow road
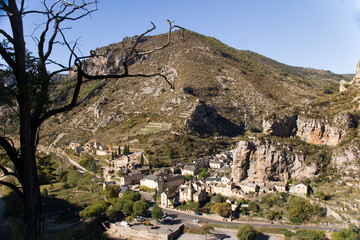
x,y
189,218
68,161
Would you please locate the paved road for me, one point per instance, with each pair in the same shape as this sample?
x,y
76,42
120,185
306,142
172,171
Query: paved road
x,y
189,218
68,161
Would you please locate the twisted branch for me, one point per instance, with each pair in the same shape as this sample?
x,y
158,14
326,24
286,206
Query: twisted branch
x,y
15,188
81,74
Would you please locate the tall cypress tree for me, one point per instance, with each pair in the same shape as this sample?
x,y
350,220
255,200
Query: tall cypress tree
x,y
142,160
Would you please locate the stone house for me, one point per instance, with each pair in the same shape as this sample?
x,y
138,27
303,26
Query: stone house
x,y
212,179
248,187
215,164
225,180
131,178
151,181
228,190
89,146
280,186
191,169
162,181
173,181
74,144
192,191
165,202
223,189
300,189
202,162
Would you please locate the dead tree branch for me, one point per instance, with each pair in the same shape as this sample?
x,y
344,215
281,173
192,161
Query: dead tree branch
x,y
15,188
7,173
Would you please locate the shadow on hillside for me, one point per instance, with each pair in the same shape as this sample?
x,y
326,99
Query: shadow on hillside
x,y
59,210
206,121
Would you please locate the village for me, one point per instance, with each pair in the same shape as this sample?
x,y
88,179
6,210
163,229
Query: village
x,y
205,176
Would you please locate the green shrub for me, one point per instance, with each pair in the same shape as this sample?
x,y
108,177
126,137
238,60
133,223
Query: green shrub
x,y
246,232
140,207
157,212
131,195
346,234
111,213
308,234
299,210
112,191
147,189
95,209
222,209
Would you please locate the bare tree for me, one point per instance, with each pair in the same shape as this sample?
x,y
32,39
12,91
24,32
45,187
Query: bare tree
x,y
31,90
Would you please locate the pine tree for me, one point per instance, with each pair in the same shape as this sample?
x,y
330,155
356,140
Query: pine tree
x,y
119,151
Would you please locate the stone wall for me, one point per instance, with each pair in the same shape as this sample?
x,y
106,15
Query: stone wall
x,y
145,232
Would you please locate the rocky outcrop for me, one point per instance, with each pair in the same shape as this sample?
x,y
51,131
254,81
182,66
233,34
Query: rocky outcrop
x,y
269,161
108,60
356,80
318,132
311,130
281,128
241,160
347,159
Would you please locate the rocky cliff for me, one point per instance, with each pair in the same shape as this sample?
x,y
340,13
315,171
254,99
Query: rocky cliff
x,y
346,160
269,160
312,131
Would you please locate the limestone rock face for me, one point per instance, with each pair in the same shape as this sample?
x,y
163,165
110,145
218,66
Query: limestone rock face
x,y
317,132
281,128
269,161
347,159
355,81
241,160
357,75
311,130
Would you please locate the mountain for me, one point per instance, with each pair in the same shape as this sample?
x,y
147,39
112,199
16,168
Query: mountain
x,y
221,95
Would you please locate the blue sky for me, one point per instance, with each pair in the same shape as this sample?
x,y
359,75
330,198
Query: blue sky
x,y
320,34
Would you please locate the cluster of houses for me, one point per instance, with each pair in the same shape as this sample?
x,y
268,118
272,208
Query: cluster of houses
x,y
174,186
91,147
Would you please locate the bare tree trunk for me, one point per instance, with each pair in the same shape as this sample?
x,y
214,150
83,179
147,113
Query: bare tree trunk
x,y
33,97
28,173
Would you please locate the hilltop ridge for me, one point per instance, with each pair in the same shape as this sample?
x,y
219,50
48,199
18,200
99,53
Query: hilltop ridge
x,y
219,91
